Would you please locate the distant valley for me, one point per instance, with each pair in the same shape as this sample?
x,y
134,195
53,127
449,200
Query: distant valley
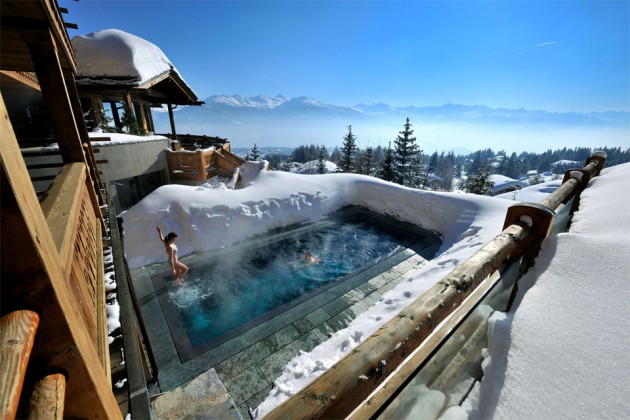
x,y
288,122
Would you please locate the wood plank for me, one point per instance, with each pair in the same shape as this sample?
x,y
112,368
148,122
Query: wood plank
x,y
17,334
61,207
28,251
48,397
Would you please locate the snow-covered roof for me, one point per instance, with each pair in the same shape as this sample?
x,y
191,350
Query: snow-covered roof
x,y
502,182
565,162
118,57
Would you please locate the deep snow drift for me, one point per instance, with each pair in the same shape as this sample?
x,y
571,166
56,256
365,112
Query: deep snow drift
x,y
563,353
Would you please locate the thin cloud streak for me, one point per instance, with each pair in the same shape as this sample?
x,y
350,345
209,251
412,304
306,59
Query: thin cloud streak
x,y
503,52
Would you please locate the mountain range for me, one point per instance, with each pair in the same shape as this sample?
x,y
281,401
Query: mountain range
x,y
281,121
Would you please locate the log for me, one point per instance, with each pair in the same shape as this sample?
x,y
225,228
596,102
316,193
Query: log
x,y
17,334
47,399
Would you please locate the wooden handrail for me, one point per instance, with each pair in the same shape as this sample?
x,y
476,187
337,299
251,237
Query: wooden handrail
x,y
348,383
17,335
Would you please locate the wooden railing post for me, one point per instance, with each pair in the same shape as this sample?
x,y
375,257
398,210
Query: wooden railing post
x,y
48,398
17,335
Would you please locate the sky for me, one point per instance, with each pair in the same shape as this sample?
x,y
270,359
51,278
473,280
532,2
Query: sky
x,y
541,55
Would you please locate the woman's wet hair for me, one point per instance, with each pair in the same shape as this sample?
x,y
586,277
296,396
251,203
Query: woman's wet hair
x,y
170,236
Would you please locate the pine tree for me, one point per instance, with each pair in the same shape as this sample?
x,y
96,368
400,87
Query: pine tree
x,y
387,171
348,151
129,120
368,161
407,157
321,162
255,156
105,121
479,184
512,168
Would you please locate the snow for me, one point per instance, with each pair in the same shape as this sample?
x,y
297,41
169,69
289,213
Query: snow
x,y
206,218
562,353
118,57
117,139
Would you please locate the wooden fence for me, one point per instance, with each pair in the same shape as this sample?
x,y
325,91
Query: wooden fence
x,y
200,165
377,362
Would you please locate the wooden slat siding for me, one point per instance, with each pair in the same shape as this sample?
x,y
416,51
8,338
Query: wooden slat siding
x,y
44,165
47,399
73,225
24,77
32,275
17,334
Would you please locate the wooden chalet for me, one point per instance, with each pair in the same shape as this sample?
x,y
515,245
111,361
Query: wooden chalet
x,y
120,89
53,328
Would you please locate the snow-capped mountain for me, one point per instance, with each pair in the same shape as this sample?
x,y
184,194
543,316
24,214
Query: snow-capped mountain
x,y
281,121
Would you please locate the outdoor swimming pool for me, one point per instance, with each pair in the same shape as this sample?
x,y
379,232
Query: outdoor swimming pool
x,y
230,291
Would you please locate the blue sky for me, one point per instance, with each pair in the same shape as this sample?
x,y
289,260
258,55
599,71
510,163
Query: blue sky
x,y
541,55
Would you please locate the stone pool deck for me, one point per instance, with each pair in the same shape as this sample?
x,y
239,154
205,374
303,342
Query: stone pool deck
x,y
237,381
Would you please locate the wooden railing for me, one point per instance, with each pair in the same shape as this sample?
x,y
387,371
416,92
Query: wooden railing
x,y
53,263
75,226
200,165
344,389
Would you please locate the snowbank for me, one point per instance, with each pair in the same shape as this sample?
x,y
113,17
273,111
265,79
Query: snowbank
x,y
563,353
206,218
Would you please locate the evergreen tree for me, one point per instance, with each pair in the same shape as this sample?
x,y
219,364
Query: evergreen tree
x,y
129,120
368,161
387,171
255,156
335,156
512,169
536,179
321,162
105,121
479,184
407,157
348,151
430,169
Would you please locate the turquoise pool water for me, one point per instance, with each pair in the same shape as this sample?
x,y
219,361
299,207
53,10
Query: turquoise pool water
x,y
228,294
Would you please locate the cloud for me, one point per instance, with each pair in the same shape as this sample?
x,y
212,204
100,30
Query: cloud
x,y
544,44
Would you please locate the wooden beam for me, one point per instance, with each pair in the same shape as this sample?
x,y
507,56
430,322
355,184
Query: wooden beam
x,y
172,119
55,94
29,252
17,334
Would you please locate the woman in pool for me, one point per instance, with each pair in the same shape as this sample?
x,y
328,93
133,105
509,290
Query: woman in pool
x,y
308,258
178,269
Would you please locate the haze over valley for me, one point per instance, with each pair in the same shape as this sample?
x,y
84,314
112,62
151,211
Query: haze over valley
x,y
278,121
